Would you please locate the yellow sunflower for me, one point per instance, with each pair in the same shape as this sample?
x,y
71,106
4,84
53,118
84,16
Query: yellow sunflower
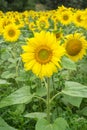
x,y
63,8
66,17
42,54
58,34
42,22
84,18
75,46
77,18
32,26
11,33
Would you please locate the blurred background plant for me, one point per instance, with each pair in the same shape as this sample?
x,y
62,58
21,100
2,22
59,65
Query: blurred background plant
x,y
21,5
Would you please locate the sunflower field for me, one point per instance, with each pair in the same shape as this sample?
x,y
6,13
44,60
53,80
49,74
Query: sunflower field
x,y
43,69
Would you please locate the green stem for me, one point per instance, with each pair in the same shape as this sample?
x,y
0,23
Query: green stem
x,y
40,98
48,100
55,96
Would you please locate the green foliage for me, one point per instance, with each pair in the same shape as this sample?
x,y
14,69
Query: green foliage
x,y
5,126
75,101
68,64
36,115
53,4
16,5
75,89
20,96
59,124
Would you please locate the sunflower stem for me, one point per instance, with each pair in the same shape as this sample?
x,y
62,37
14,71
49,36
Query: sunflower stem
x,y
48,100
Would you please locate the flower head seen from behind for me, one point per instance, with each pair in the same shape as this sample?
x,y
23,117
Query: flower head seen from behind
x,y
42,54
75,46
11,33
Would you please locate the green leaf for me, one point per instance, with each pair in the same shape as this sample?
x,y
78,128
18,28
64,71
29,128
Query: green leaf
x,y
59,124
19,109
7,75
20,96
5,126
83,65
41,91
12,60
84,111
3,82
42,124
75,101
36,115
68,64
50,127
75,89
22,76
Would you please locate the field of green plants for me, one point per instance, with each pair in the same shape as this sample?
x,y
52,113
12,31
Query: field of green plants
x,y
43,70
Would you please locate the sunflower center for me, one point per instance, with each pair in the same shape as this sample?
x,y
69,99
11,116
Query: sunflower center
x,y
43,54
42,24
65,17
11,33
73,47
58,35
79,18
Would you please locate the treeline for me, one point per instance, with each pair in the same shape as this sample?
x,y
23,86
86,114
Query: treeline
x,y
21,5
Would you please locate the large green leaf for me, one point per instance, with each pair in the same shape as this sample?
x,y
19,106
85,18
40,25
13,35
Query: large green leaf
x,y
68,64
59,124
20,96
5,126
75,89
42,124
76,101
36,115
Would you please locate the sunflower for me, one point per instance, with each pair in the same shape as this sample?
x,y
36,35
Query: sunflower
x,y
84,18
55,17
32,26
77,18
75,46
42,54
42,22
63,8
66,17
11,33
4,22
58,34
